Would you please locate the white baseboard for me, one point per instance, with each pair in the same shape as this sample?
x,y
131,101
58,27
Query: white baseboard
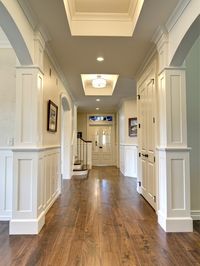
x,y
175,224
195,214
52,201
4,218
27,227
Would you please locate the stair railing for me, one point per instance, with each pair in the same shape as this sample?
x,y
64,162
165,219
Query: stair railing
x,y
84,152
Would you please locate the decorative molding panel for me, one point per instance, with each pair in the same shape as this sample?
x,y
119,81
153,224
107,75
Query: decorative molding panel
x,y
6,175
128,160
174,191
37,184
29,91
172,108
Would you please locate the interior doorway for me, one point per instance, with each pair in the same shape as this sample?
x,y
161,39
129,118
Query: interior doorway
x,y
66,138
147,141
101,132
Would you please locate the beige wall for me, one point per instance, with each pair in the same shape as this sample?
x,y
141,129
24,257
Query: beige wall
x,y
193,120
127,110
7,96
82,124
52,90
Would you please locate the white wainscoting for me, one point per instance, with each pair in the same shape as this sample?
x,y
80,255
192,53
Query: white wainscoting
x,y
30,182
128,160
6,168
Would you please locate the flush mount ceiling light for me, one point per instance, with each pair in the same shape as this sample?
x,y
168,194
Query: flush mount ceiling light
x,y
99,82
98,100
97,108
100,59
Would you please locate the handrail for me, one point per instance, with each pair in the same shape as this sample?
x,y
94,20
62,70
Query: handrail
x,y
86,141
83,153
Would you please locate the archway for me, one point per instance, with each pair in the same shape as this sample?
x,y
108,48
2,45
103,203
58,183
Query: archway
x,y
188,55
14,36
13,47
66,138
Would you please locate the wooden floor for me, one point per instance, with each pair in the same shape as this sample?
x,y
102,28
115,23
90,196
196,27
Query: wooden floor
x,y
100,221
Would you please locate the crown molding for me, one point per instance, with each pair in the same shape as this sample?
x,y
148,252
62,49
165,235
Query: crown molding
x,y
178,11
61,75
30,15
146,62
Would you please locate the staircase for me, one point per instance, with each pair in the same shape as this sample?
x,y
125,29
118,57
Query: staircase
x,y
83,161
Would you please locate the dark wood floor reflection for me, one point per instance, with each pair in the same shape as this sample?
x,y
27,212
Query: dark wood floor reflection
x,y
100,221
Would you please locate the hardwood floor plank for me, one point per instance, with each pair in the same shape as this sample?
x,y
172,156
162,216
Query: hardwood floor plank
x,y
100,221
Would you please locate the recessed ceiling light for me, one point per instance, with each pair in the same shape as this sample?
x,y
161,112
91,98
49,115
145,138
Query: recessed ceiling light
x,y
98,100
97,108
100,59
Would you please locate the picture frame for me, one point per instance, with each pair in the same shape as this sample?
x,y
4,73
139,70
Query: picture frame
x,y
52,116
132,127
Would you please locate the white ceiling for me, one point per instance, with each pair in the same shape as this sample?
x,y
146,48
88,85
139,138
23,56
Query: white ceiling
x,y
123,55
111,6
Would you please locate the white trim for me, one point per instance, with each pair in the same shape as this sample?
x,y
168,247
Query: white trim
x,y
27,227
175,149
32,149
178,11
128,144
195,214
177,224
5,45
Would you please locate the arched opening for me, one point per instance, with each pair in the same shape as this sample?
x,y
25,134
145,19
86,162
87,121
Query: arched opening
x,y
13,51
14,36
8,61
188,55
66,138
187,42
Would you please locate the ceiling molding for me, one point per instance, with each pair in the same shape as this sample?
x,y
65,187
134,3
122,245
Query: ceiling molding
x,y
57,68
178,11
30,15
147,60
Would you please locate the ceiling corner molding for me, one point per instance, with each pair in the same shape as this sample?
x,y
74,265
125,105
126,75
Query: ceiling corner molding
x,y
147,60
53,60
30,15
181,6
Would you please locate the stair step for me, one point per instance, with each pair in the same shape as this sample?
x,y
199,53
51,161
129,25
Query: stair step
x,y
77,162
77,167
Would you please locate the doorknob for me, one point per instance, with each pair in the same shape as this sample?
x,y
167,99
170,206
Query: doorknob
x,y
100,147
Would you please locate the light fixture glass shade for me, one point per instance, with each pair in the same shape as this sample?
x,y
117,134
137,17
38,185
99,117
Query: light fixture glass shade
x,y
99,83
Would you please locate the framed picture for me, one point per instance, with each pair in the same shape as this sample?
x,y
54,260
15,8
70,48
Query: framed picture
x,y
52,116
132,127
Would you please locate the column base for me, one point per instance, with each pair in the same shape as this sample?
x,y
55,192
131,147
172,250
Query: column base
x,y
27,226
175,224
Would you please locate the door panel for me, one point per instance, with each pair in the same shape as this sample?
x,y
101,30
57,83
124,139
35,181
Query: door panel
x,y
102,144
147,100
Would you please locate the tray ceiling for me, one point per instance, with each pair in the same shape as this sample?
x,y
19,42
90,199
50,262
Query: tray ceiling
x,y
103,18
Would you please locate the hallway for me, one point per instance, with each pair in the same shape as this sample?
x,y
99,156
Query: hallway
x,y
100,221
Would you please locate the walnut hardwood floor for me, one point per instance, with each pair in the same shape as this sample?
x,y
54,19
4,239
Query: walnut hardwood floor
x,y
101,221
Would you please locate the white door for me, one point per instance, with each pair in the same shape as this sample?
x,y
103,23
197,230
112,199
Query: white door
x,y
147,159
102,144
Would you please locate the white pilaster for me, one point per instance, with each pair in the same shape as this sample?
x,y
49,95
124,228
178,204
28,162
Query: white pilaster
x,y
173,153
29,96
27,217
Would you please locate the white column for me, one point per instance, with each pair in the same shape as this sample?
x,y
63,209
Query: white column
x,y
27,212
173,153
